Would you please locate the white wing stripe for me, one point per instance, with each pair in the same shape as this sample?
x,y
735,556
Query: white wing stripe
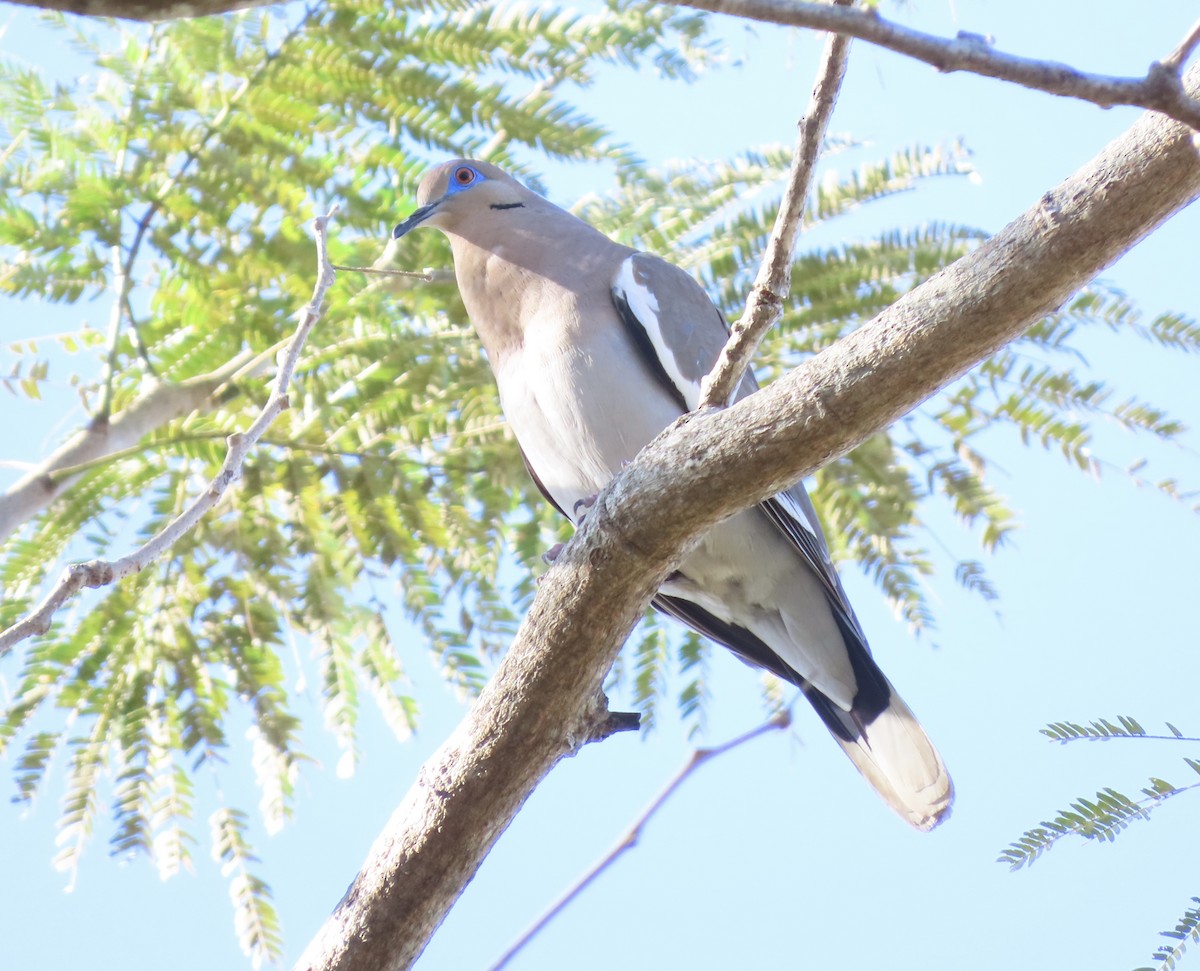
x,y
644,306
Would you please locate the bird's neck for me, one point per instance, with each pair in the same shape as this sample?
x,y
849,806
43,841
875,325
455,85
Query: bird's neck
x,y
510,271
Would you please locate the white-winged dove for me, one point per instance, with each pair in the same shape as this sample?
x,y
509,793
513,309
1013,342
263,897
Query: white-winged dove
x,y
597,348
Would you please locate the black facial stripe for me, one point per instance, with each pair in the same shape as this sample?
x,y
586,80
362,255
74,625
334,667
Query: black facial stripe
x,y
508,205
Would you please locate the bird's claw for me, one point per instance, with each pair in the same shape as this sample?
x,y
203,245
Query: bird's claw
x,y
585,503
555,551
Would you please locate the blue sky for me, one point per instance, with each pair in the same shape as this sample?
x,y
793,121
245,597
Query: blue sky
x,y
778,854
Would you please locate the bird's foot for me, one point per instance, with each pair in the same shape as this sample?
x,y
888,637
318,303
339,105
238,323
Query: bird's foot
x,y
585,504
555,551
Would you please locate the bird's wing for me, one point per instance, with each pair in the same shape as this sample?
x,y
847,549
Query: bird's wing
x,y
671,321
538,482
680,334
792,513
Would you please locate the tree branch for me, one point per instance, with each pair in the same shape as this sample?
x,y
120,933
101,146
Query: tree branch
x,y
765,305
427,275
145,10
1178,57
123,268
98,573
1160,90
780,720
121,286
164,402
545,696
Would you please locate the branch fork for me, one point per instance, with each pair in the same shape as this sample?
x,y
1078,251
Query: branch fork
x,y
99,573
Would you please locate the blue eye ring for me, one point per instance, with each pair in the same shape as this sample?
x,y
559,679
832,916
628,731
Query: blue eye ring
x,y
463,177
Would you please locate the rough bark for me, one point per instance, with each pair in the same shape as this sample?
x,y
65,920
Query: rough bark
x,y
146,10
545,700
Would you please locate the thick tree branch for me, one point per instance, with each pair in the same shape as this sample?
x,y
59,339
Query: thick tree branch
x,y
98,573
1160,90
542,701
764,308
147,10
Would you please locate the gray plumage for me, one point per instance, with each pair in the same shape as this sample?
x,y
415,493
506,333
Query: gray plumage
x,y
596,348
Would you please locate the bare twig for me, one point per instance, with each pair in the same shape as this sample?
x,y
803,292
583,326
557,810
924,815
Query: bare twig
x,y
780,720
764,307
428,275
123,269
1110,738
1160,90
135,334
1178,57
115,318
123,283
99,573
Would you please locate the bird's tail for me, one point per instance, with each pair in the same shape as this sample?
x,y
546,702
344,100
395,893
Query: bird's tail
x,y
894,754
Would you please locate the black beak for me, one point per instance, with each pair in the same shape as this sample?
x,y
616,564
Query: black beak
x,y
414,220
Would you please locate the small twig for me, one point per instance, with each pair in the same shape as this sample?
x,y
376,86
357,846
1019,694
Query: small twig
x,y
1069,827
98,573
780,720
764,308
615,722
123,269
1110,738
428,275
291,444
1178,57
115,319
1160,90
139,344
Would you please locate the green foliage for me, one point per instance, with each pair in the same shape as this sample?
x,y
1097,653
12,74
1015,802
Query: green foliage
x,y
1100,818
1103,728
1108,814
1187,929
177,191
255,919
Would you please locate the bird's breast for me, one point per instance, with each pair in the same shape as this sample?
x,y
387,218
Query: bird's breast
x,y
574,408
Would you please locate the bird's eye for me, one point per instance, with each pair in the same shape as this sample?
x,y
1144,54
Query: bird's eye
x,y
464,175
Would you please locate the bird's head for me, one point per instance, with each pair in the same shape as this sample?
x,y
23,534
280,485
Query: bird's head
x,y
455,189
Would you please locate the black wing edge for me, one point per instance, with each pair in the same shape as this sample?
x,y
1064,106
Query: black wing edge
x,y
817,560
874,693
637,331
538,482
